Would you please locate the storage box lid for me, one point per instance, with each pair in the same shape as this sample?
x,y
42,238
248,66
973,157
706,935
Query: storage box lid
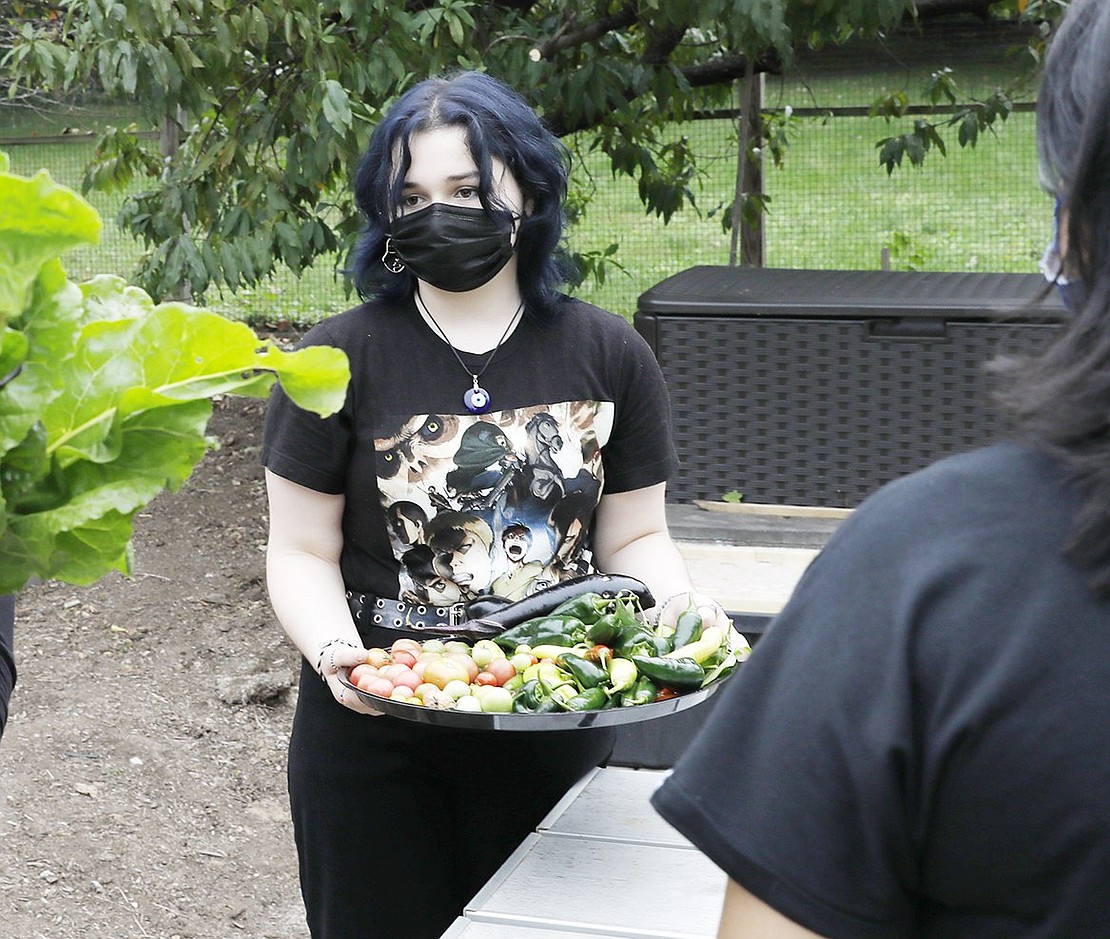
x,y
709,290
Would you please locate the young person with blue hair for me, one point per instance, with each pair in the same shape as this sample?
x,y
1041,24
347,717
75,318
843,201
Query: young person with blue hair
x,y
919,746
462,343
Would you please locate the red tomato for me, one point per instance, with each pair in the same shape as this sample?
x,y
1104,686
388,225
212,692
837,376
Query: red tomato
x,y
392,671
486,678
382,687
362,669
407,645
501,669
404,657
408,678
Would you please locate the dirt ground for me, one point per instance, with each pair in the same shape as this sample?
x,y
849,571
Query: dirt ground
x,y
142,773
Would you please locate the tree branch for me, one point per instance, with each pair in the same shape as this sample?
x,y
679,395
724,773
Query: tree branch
x,y
724,68
663,44
622,19
928,8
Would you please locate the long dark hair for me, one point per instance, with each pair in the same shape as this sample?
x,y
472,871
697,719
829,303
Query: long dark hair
x,y
498,124
1062,398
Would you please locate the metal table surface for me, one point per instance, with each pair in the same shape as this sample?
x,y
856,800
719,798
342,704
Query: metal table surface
x,y
612,804
464,928
603,863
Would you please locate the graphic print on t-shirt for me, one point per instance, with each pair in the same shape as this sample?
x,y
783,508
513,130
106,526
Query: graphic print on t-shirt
x,y
495,503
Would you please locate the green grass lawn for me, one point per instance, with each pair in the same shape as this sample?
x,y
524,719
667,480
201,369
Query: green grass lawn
x,y
831,204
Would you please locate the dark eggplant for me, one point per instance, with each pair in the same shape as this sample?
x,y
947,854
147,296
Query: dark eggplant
x,y
483,605
544,601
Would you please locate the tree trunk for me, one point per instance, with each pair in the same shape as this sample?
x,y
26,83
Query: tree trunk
x,y
748,235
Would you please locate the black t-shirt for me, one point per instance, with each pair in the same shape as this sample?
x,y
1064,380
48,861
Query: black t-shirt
x,y
7,655
920,745
443,505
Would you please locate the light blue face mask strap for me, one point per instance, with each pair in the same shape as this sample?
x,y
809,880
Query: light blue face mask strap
x,y
1051,264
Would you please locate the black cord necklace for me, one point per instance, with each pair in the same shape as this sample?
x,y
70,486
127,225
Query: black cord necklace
x,y
477,399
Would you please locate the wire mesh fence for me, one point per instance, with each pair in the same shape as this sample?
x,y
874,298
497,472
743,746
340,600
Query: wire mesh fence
x,y
831,206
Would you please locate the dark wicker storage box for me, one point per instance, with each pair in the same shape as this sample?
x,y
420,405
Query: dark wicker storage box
x,y
802,387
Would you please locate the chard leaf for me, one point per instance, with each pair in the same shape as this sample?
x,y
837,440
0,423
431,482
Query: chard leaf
x,y
40,220
105,396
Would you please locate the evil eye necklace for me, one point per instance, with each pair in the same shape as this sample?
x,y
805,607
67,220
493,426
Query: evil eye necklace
x,y
476,399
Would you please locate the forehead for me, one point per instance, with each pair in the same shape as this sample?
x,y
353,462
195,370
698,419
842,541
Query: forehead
x,y
441,149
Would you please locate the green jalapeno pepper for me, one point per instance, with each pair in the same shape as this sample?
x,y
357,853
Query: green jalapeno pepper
x,y
543,630
586,673
592,699
603,631
534,697
662,644
525,701
643,692
586,606
687,628
679,674
633,636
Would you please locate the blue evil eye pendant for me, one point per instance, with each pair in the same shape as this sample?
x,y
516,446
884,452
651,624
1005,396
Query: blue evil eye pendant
x,y
477,399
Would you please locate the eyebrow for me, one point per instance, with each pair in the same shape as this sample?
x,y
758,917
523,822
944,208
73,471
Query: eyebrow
x,y
457,178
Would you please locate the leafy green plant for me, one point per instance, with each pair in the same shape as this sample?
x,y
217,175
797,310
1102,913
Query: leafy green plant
x,y
906,252
105,396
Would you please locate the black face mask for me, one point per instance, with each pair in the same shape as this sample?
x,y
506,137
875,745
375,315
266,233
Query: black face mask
x,y
452,247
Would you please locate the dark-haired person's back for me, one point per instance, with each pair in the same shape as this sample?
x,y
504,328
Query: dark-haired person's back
x,y
923,746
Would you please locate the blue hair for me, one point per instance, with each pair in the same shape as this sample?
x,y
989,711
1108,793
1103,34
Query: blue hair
x,y
499,124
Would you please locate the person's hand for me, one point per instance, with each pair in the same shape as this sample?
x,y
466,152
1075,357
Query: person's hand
x,y
710,611
338,656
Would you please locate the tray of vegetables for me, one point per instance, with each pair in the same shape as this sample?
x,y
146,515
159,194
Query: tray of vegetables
x,y
591,659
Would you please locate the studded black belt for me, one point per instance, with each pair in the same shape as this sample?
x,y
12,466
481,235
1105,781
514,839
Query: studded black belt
x,y
369,610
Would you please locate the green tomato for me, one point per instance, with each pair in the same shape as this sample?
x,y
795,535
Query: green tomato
x,y
485,651
494,699
468,703
457,689
522,660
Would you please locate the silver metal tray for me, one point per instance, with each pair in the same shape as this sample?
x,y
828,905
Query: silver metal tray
x,y
566,720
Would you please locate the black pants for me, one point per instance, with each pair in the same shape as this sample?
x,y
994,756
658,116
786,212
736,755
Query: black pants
x,y
399,824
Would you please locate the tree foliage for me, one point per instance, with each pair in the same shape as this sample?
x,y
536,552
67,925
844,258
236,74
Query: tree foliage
x,y
276,98
941,94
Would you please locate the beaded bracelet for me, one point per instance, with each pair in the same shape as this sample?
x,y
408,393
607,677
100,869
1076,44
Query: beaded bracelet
x,y
324,648
659,607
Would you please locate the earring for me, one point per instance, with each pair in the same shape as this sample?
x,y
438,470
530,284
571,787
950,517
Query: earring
x,y
391,259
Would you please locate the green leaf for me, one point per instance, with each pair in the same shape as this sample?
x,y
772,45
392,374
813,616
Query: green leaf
x,y
337,106
969,130
39,221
